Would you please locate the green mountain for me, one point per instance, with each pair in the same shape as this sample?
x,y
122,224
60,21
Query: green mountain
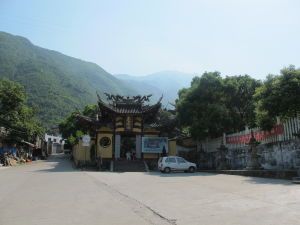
x,y
55,83
167,83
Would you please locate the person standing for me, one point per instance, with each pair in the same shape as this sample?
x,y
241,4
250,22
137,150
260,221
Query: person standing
x,y
128,155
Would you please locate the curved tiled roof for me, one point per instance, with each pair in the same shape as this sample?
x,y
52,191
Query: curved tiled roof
x,y
129,106
92,122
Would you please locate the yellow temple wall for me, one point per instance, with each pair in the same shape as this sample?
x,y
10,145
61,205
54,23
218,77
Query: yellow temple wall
x,y
151,130
172,148
120,129
137,121
105,152
120,123
150,155
138,118
105,129
138,130
82,153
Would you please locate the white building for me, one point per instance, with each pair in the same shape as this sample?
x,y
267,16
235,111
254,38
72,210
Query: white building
x,y
55,144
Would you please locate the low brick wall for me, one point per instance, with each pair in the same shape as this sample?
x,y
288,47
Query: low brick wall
x,y
278,174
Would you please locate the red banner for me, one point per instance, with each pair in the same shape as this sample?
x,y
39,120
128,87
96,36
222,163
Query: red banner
x,y
259,135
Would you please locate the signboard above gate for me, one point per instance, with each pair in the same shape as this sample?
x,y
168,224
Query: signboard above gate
x,y
154,144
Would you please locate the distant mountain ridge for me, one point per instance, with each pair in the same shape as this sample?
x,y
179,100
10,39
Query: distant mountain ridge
x,y
57,84
167,83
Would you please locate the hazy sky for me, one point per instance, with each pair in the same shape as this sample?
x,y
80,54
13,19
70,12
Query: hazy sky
x,y
139,37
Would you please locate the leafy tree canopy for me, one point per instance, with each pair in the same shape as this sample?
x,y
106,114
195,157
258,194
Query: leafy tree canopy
x,y
213,105
71,129
18,119
240,100
278,96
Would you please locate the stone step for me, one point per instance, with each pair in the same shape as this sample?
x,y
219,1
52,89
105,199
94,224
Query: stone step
x,y
129,166
296,180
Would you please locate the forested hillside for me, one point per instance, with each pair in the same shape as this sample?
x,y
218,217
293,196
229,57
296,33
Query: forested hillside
x,y
55,84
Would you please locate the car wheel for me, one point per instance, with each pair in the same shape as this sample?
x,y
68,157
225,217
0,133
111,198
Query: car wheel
x,y
192,169
167,170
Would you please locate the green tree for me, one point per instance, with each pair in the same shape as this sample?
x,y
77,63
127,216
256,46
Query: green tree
x,y
240,92
12,97
18,119
71,128
289,92
201,108
278,96
213,105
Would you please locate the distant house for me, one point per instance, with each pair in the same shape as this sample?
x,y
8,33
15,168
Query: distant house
x,y
55,144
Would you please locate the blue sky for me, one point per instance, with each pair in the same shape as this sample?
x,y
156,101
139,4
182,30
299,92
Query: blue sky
x,y
140,37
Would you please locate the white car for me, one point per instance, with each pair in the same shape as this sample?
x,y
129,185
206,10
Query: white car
x,y
175,163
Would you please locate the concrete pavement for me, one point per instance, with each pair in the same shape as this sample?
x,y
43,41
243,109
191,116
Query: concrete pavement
x,y
52,192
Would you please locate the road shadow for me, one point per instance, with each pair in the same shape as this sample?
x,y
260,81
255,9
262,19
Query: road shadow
x,y
180,174
275,181
252,180
260,180
276,177
62,163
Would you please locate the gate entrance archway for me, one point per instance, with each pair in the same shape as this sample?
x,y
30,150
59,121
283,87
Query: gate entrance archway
x,y
128,144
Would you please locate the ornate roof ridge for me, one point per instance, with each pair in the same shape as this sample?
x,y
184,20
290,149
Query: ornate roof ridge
x,y
119,99
132,105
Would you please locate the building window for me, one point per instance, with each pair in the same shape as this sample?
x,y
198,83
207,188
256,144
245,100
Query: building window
x,y
54,140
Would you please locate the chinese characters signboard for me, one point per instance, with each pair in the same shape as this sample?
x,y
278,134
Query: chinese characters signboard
x,y
154,144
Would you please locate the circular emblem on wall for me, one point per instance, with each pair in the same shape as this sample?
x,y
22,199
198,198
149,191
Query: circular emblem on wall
x,y
105,142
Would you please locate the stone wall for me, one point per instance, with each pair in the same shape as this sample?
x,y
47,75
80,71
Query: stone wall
x,y
283,155
279,148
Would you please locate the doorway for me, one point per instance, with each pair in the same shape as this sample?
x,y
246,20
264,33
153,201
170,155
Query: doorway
x,y
128,144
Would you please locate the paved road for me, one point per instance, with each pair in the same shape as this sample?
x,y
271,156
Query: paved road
x,y
53,193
